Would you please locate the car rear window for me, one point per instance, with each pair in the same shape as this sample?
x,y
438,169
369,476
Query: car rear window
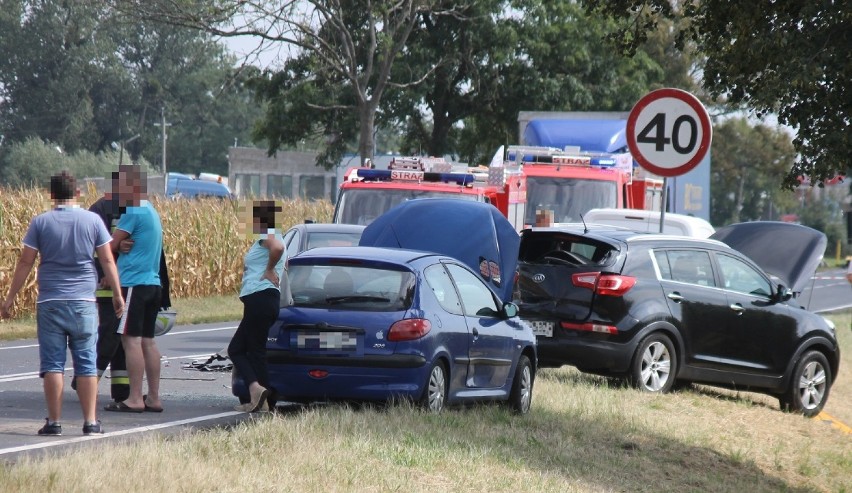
x,y
335,239
566,249
351,287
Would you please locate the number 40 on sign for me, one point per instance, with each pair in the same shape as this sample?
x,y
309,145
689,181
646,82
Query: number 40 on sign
x,y
669,132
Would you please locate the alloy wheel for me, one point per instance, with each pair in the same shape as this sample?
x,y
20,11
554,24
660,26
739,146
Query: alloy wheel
x,y
656,366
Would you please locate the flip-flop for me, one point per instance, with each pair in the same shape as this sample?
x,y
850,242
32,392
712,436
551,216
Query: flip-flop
x,y
120,407
150,409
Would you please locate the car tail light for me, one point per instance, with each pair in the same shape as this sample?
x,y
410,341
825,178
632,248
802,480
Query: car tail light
x,y
409,329
318,373
590,327
604,284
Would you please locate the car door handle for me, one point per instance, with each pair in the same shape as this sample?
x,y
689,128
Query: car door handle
x,y
675,296
475,333
736,307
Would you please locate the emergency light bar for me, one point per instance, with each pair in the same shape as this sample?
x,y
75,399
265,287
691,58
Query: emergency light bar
x,y
427,164
463,179
552,155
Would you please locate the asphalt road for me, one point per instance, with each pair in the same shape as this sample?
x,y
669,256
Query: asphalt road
x,y
191,398
829,292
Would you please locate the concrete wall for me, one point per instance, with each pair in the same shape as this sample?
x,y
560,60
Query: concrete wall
x,y
287,174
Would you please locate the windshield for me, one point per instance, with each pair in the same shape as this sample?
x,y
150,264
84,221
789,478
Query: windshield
x,y
362,206
351,287
568,197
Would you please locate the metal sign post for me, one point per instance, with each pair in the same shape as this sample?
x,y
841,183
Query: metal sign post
x,y
668,133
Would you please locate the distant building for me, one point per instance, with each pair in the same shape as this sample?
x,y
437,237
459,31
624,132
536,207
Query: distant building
x,y
286,174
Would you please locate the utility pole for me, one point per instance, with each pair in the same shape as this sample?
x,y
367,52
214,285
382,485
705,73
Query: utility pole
x,y
163,126
123,145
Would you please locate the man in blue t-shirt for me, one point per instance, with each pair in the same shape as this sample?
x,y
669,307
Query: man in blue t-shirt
x,y
66,239
140,282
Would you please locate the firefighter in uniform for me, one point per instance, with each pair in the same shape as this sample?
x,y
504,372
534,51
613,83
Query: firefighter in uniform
x,y
110,351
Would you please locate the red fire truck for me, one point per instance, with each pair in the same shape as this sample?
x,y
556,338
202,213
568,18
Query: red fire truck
x,y
367,193
569,183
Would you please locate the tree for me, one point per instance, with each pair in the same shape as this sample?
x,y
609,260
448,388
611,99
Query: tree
x,y
495,58
345,48
790,59
84,77
182,75
48,67
747,161
31,162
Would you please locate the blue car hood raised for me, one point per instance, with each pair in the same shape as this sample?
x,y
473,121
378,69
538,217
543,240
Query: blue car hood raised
x,y
788,251
466,230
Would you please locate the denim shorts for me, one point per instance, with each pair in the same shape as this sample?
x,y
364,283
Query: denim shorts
x,y
63,325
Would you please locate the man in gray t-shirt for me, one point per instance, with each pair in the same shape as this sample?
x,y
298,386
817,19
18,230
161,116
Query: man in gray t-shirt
x,y
66,239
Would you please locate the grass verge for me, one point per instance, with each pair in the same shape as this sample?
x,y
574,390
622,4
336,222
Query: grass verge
x,y
189,311
584,434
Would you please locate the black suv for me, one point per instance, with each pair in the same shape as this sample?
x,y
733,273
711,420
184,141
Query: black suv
x,y
659,309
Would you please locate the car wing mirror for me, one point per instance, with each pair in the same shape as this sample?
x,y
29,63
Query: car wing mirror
x,y
510,310
783,293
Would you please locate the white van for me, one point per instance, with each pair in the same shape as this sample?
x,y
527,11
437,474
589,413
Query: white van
x,y
649,221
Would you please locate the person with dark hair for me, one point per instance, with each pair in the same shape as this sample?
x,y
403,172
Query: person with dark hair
x,y
139,270
66,238
263,266
110,351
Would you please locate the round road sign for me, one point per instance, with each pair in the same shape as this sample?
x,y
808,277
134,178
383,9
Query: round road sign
x,y
669,132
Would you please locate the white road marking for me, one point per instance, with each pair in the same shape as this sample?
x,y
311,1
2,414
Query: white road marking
x,y
19,347
180,332
130,431
14,377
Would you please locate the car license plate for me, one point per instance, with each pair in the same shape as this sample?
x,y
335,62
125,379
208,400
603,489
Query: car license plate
x,y
542,328
333,340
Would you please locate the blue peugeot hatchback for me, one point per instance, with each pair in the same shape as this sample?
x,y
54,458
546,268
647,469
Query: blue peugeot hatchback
x,y
375,323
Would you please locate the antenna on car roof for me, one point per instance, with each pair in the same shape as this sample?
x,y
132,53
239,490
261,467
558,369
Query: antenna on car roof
x,y
585,228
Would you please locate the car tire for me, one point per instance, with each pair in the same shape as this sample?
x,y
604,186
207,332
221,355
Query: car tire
x,y
654,366
435,392
809,385
520,398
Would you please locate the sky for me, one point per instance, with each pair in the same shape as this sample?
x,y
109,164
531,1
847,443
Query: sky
x,y
243,46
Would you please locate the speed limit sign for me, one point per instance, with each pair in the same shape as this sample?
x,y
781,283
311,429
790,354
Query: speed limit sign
x,y
669,132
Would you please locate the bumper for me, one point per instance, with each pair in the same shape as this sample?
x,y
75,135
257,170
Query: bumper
x,y
377,378
588,352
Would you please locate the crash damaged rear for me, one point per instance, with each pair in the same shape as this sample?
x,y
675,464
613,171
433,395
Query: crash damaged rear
x,y
558,276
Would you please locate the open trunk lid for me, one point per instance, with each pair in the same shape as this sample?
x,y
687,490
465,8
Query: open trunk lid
x,y
547,263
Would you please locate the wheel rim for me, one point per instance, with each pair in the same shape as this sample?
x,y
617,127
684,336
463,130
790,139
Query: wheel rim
x,y
812,385
526,388
656,366
436,389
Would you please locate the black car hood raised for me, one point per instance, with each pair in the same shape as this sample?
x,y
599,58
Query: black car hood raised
x,y
788,251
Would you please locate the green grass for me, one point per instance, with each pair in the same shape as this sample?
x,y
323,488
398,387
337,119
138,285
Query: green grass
x,y
189,311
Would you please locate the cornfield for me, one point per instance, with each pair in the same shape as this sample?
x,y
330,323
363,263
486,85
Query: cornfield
x,y
204,239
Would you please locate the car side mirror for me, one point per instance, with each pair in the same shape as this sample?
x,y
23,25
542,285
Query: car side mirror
x,y
510,310
783,293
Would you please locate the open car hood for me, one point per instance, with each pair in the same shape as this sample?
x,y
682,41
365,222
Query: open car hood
x,y
471,232
788,251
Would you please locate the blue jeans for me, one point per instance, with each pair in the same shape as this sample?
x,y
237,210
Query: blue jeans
x,y
63,325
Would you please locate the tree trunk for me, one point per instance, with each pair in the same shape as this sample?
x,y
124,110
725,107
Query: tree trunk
x,y
366,143
738,205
